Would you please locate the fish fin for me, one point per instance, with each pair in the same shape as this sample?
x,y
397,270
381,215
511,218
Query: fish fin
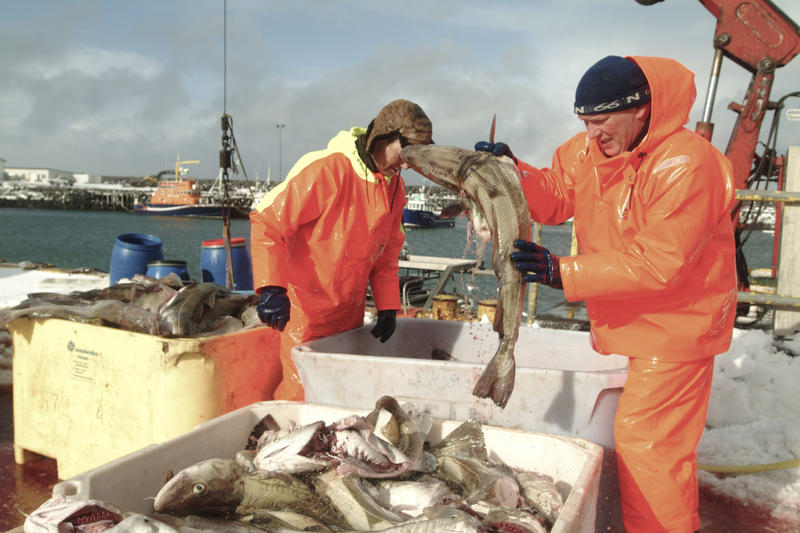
x,y
497,325
452,210
266,423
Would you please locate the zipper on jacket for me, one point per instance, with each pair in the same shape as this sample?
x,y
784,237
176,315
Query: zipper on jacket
x,y
626,205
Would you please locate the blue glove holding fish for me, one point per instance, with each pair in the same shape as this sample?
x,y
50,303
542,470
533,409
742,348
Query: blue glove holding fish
x,y
387,322
497,149
537,264
273,307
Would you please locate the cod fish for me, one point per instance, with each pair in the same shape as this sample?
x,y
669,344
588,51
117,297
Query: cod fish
x,y
223,487
541,494
181,316
490,189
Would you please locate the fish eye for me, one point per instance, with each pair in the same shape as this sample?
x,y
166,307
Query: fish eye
x,y
199,488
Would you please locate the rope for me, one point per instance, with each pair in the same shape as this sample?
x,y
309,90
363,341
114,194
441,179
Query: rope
x,y
748,469
225,57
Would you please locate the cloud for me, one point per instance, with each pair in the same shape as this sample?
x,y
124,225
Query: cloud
x,y
124,88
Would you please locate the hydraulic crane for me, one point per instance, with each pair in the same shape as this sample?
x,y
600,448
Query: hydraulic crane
x,y
758,36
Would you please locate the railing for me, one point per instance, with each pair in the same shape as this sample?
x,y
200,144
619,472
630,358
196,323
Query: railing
x,y
775,301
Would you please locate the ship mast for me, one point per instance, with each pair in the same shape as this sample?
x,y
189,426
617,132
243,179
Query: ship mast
x,y
178,168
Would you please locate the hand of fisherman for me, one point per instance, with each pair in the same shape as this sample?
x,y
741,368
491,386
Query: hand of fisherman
x,y
497,149
387,321
537,264
273,307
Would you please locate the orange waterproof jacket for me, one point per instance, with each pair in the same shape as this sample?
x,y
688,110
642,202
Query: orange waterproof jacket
x,y
656,263
330,226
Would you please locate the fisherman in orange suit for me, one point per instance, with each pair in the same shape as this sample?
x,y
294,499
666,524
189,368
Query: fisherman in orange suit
x,y
331,226
651,202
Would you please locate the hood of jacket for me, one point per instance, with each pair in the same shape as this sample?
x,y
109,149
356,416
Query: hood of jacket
x,y
672,93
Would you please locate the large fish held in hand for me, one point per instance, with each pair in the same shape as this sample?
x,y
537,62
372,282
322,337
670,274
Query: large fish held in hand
x,y
489,188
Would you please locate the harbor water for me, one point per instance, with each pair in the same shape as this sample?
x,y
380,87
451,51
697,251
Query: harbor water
x,y
78,239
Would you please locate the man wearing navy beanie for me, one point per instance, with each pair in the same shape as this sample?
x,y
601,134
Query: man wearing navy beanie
x,y
650,202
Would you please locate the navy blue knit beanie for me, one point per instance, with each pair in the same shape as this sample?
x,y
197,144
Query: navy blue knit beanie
x,y
612,84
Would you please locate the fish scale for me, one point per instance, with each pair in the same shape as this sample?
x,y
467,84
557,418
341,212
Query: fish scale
x,y
488,185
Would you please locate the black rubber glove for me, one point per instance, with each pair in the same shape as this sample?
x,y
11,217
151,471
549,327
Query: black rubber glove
x,y
387,321
273,307
537,264
497,149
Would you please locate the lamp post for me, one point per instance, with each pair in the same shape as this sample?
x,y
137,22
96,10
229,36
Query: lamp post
x,y
280,151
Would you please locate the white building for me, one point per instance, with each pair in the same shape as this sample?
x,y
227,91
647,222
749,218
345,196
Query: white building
x,y
41,175
83,177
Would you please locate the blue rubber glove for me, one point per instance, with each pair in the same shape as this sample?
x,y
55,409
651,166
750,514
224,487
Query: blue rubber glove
x,y
497,149
387,322
273,307
537,264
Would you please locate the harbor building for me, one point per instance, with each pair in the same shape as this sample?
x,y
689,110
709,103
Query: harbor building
x,y
41,175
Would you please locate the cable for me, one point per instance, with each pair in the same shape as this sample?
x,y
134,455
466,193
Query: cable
x,y
748,469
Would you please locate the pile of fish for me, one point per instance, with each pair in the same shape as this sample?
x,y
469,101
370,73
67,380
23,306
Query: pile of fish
x,y
361,473
490,192
166,307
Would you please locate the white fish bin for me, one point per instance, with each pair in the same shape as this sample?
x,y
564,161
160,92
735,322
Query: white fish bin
x,y
132,481
562,386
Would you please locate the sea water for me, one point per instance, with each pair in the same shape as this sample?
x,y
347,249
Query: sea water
x,y
77,239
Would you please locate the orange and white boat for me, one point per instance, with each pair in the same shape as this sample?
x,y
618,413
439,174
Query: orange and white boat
x,y
180,197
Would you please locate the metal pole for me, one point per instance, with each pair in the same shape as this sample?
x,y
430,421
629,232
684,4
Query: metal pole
x,y
280,150
533,288
713,81
705,127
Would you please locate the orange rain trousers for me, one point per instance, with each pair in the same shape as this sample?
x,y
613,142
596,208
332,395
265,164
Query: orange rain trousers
x,y
290,388
660,419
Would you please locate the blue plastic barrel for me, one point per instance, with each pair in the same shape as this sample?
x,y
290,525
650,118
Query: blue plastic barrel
x,y
159,269
212,263
131,253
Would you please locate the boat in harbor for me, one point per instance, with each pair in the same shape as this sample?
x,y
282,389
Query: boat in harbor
x,y
422,211
180,197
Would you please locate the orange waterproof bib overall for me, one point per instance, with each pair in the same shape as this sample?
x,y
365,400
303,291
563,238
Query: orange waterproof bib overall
x,y
327,229
656,268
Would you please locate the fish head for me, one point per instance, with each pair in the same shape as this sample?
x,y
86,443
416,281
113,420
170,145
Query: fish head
x,y
213,486
440,164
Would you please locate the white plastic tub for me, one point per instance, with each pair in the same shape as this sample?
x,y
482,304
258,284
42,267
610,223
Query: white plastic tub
x,y
132,481
562,386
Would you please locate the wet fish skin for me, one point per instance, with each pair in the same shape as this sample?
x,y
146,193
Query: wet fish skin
x,y
353,501
466,440
541,494
400,430
489,185
284,522
223,325
102,312
284,455
440,520
477,481
411,497
250,318
222,487
203,523
521,521
181,315
214,486
155,298
225,304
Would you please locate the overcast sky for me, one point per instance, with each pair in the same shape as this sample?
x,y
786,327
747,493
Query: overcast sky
x,y
125,87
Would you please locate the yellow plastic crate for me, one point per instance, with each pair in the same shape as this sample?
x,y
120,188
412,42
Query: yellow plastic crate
x,y
85,395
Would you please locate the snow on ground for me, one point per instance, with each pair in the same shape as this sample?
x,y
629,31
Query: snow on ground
x,y
754,419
